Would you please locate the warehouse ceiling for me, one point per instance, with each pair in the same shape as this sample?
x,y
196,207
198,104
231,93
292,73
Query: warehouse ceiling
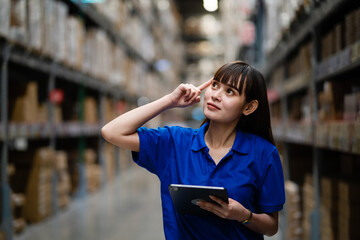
x,y
188,8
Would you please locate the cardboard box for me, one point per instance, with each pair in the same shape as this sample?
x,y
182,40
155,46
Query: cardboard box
x,y
27,107
90,111
59,41
36,23
75,42
49,25
338,35
61,162
109,109
18,21
109,155
90,156
357,24
93,177
39,186
350,28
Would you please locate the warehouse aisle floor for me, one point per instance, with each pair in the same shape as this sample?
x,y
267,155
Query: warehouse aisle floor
x,y
127,209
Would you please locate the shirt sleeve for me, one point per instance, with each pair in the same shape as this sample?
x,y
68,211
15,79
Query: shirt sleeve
x,y
154,147
272,192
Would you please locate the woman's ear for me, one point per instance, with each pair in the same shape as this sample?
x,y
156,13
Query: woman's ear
x,y
251,107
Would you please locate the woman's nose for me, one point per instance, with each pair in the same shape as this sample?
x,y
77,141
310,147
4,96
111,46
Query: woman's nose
x,y
216,96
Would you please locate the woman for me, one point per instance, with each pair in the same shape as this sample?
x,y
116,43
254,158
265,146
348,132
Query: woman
x,y
234,148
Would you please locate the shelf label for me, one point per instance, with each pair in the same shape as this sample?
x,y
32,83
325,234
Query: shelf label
x,y
56,96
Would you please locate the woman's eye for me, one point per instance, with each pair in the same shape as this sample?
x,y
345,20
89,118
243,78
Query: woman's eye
x,y
230,91
214,84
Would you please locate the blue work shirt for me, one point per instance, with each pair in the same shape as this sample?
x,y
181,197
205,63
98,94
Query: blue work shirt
x,y
251,172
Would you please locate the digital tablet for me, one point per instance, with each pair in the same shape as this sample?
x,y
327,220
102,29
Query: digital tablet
x,y
184,198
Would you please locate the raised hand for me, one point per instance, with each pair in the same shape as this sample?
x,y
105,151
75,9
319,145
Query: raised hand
x,y
187,94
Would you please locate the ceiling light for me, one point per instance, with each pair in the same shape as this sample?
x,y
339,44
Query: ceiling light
x,y
210,5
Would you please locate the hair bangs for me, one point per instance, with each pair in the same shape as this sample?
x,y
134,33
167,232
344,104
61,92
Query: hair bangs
x,y
233,75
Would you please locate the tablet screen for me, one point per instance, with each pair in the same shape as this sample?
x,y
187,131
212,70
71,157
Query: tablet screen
x,y
184,197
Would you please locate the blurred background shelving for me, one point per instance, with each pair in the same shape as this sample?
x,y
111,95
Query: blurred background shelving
x,y
70,66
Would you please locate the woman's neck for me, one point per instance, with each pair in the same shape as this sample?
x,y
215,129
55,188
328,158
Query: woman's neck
x,y
219,135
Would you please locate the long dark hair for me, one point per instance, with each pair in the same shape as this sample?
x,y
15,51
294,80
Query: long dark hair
x,y
238,73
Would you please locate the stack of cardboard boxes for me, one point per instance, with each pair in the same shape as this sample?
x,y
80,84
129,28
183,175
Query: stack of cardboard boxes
x,y
329,208
293,229
344,34
308,205
39,186
28,109
47,28
17,203
26,106
339,120
348,209
92,171
63,179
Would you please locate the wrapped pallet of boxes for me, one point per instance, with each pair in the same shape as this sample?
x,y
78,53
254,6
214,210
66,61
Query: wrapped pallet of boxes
x,y
93,171
116,75
75,42
64,185
35,25
26,107
18,21
329,210
87,60
39,186
49,27
349,208
59,44
4,17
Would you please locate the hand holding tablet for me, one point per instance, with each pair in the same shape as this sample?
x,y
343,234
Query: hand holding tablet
x,y
185,198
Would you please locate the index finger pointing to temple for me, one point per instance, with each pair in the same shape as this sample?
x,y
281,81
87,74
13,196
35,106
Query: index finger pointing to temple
x,y
205,84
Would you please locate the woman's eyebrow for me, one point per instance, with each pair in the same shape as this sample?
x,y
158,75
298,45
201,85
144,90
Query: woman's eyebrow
x,y
228,85
232,86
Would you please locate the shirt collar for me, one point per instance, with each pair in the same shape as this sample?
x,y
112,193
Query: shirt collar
x,y
241,143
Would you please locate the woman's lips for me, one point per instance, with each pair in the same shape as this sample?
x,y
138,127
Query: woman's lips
x,y
213,106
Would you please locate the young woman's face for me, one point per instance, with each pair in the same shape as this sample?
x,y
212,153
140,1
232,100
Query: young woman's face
x,y
223,103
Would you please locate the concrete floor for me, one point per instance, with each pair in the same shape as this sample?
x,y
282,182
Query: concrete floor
x,y
127,209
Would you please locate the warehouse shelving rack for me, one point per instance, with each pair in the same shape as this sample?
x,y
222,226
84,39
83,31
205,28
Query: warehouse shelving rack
x,y
19,55
342,63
